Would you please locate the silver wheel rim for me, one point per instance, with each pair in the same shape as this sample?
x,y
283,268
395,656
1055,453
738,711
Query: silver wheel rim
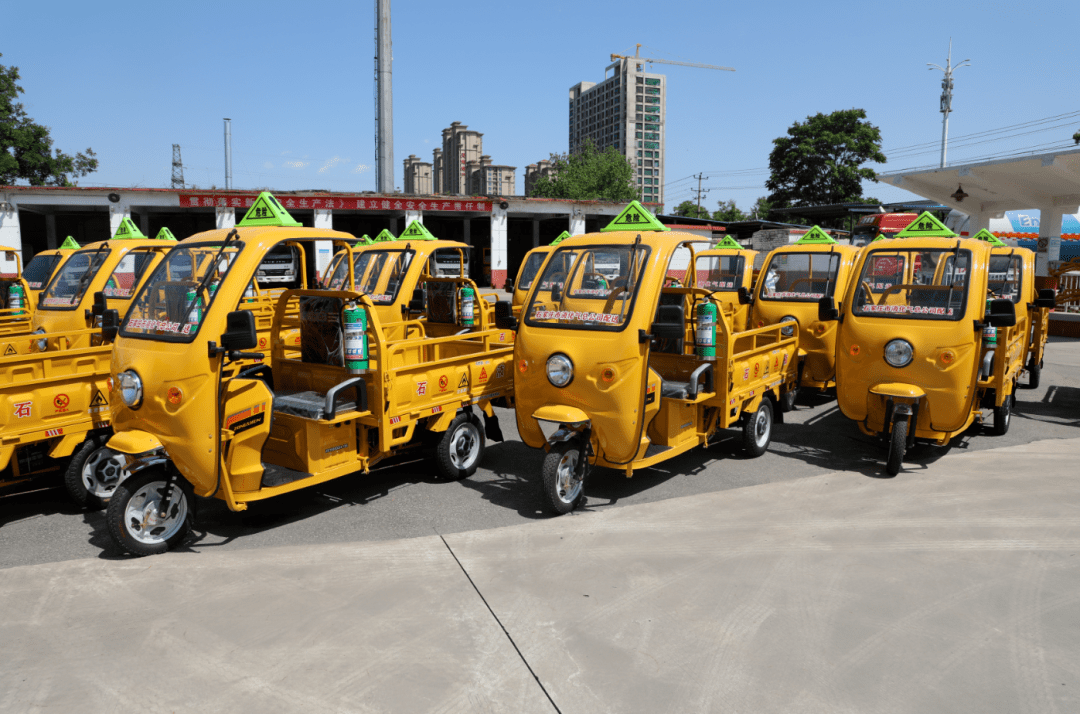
x,y
103,472
567,487
464,446
1006,411
761,427
142,520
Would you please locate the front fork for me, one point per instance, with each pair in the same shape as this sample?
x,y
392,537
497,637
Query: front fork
x,y
907,410
583,436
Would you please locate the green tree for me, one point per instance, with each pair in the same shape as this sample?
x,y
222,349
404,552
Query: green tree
x,y
588,174
820,161
691,210
728,212
760,211
25,146
1076,137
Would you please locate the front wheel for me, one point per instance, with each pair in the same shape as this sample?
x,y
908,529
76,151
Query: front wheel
x,y
460,448
93,474
757,429
1003,416
563,490
787,400
1034,374
897,447
135,515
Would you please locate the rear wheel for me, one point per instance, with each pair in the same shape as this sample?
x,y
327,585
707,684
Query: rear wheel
x,y
93,474
563,491
757,429
897,447
1034,374
461,447
787,400
1003,416
135,515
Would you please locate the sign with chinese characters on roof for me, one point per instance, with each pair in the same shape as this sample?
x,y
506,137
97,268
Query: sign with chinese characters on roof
x,y
337,203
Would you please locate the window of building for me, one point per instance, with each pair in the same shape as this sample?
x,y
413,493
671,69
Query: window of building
x,y
638,107
648,181
639,153
640,80
652,127
652,81
648,162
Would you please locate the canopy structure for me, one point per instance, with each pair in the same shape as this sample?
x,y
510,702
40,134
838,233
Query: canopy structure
x,y
1049,182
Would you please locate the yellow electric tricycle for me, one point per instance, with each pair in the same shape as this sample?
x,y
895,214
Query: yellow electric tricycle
x,y
44,265
614,369
530,268
727,271
792,281
923,345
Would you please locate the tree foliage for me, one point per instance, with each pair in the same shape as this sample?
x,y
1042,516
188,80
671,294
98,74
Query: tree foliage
x,y
728,212
1076,137
588,174
691,210
26,151
820,161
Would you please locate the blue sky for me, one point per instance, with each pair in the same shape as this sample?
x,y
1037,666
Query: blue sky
x,y
130,79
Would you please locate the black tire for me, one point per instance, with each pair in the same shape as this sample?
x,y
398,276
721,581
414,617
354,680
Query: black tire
x,y
141,493
897,447
461,447
91,470
1034,374
561,492
757,429
787,400
1003,416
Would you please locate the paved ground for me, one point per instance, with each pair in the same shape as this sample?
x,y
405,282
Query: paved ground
x,y
38,525
954,587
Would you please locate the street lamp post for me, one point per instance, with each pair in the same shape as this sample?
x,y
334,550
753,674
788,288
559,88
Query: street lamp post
x,y
946,96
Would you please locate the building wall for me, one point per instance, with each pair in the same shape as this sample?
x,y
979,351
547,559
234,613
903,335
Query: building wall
x,y
533,172
436,171
417,176
625,111
460,146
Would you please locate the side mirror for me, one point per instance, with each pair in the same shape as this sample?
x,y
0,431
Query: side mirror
x,y
504,315
556,292
1002,313
826,310
509,285
99,304
110,324
744,296
1047,299
239,331
667,331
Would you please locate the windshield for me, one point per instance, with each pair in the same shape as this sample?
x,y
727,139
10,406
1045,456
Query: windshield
x,y
447,263
67,288
125,277
379,273
720,273
591,288
168,307
529,271
1005,276
39,270
916,283
800,277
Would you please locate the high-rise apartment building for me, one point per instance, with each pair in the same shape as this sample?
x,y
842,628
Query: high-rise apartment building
x,y
417,176
626,111
436,170
488,179
459,168
533,172
460,146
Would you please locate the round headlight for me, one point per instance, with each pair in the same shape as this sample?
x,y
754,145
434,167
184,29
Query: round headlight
x,y
790,329
42,344
560,370
899,353
131,391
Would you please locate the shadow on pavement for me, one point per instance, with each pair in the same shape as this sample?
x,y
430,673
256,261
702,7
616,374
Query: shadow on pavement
x,y
1059,405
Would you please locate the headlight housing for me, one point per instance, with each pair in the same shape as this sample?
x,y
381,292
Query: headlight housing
x,y
131,389
560,370
789,330
899,353
42,344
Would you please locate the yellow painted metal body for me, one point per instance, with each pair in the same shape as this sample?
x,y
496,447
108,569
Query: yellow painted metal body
x,y
14,321
230,448
618,378
711,275
817,339
943,375
531,268
37,288
1031,320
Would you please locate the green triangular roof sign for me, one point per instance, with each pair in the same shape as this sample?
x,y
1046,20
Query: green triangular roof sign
x,y
561,237
728,242
127,230
816,236
990,238
416,231
384,236
364,240
69,244
165,234
267,211
926,226
635,217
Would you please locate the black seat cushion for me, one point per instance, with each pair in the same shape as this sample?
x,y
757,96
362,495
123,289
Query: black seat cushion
x,y
670,389
308,405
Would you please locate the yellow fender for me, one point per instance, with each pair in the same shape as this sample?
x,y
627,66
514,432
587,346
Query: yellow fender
x,y
560,414
66,446
134,442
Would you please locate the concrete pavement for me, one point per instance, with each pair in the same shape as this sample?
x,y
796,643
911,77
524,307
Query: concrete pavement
x,y
953,587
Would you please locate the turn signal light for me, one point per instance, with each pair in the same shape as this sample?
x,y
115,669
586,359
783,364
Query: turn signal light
x,y
523,366
174,395
947,357
855,350
819,330
607,374
109,384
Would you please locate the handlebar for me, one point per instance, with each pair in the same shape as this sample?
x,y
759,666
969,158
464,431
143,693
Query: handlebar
x,y
246,355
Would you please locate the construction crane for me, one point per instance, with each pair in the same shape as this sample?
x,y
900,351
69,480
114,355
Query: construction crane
x,y
638,58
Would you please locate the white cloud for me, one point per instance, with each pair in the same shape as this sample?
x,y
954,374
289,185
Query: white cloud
x,y
331,164
360,168
295,164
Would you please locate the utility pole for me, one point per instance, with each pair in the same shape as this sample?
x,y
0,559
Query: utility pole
x,y
228,153
946,96
177,168
384,100
700,192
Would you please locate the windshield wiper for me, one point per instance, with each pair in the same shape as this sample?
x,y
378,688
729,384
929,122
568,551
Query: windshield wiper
x,y
631,285
206,278
85,278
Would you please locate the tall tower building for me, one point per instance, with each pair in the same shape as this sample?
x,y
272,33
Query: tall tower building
x,y
460,146
626,111
436,170
417,176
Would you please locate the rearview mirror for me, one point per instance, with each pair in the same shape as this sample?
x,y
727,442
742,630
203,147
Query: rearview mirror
x,y
509,285
1047,298
1002,313
110,324
668,331
826,310
239,331
504,316
744,296
556,292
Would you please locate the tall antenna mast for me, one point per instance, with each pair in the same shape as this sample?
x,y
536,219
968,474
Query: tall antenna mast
x,y
177,168
228,153
384,100
946,97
